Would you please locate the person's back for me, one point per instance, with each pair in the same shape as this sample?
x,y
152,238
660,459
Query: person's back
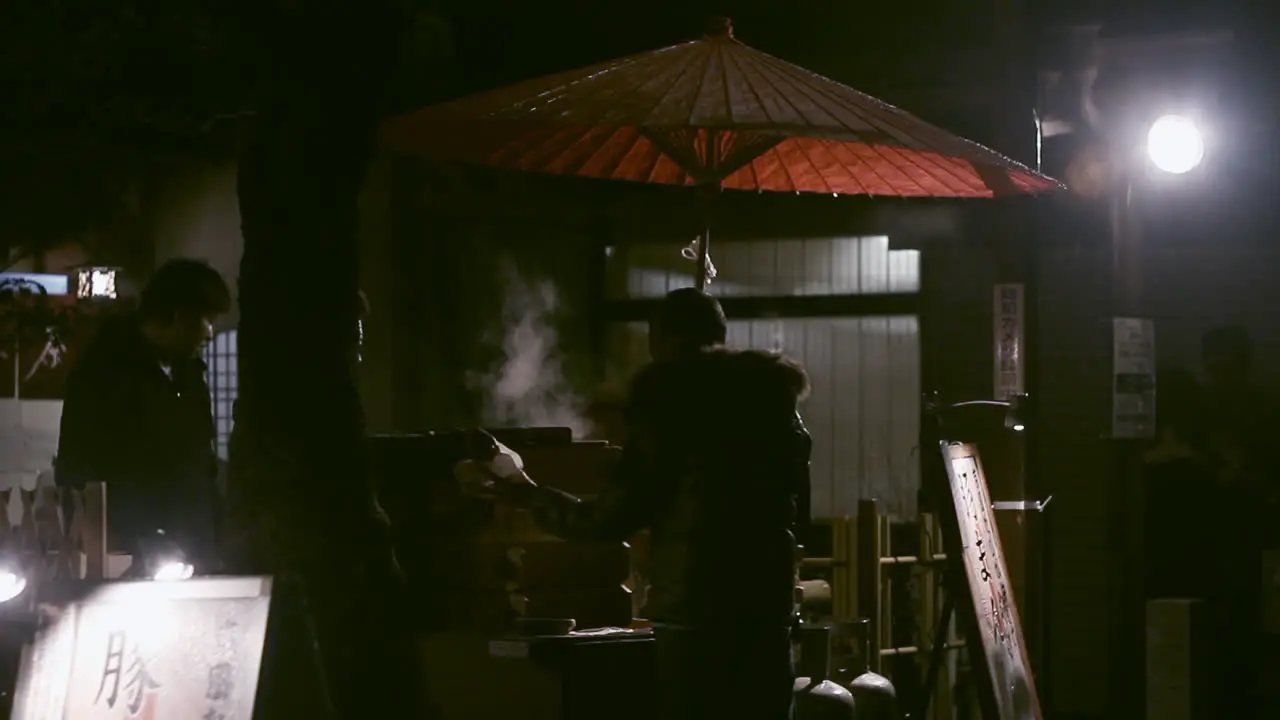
x,y
723,424
716,466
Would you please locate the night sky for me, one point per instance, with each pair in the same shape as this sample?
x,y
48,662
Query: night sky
x,y
875,45
78,62
87,83
903,52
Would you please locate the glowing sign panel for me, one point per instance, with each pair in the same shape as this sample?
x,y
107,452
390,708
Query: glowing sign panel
x,y
150,650
98,282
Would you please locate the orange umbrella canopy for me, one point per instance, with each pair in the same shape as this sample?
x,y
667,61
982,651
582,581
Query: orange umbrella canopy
x,y
711,112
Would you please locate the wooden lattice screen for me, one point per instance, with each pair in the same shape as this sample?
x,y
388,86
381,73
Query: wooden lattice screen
x,y
51,548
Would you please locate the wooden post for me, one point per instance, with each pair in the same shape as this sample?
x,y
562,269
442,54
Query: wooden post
x,y
927,609
94,539
844,600
943,706
1177,661
850,534
868,572
928,612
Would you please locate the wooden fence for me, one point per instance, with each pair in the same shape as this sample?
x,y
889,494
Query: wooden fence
x,y
51,548
861,554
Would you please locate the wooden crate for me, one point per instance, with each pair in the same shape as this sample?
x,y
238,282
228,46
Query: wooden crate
x,y
494,611
1177,660
581,468
475,676
528,565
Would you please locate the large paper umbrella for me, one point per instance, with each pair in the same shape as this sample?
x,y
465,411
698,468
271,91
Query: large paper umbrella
x,y
713,113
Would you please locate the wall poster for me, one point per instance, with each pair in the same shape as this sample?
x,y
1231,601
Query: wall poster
x,y
1133,390
1009,315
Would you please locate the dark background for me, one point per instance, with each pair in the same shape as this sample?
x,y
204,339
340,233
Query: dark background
x,y
88,90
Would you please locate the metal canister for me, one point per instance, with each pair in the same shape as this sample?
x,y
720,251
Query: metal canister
x,y
817,697
874,695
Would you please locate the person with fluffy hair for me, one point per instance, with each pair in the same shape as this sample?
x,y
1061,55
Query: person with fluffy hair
x,y
716,467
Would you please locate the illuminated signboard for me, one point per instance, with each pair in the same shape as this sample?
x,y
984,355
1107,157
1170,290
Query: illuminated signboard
x,y
153,650
996,631
96,283
52,284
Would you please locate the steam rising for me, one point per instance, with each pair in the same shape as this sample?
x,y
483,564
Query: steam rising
x,y
527,387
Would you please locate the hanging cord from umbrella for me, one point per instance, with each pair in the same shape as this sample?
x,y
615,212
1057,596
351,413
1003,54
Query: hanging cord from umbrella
x,y
700,249
693,253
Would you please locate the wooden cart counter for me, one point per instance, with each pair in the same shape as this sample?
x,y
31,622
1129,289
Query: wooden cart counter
x,y
584,676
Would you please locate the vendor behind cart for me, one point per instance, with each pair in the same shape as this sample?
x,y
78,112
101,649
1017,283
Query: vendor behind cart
x,y
137,414
716,467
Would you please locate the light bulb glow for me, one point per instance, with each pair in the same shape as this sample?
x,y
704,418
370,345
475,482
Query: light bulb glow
x,y
11,585
1175,145
175,570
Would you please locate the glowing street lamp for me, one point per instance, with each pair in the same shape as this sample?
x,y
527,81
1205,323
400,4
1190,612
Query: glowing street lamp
x,y
1175,144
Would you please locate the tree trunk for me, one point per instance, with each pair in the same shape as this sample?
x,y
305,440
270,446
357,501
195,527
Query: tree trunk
x,y
298,470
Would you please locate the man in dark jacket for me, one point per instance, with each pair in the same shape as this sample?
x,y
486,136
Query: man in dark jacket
x,y
716,467
137,414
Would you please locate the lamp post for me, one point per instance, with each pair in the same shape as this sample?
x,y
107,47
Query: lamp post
x,y
1095,87
1174,146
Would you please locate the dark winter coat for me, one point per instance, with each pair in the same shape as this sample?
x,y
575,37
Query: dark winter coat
x,y
717,468
148,434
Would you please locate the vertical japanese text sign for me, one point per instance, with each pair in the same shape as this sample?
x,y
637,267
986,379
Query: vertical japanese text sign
x,y
1133,389
150,651
1010,341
